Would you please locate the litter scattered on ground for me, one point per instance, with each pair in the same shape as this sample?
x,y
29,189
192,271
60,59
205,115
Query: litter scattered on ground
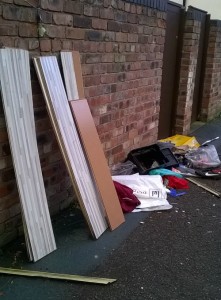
x,y
176,159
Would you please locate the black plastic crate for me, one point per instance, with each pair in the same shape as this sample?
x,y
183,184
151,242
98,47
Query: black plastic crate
x,y
152,157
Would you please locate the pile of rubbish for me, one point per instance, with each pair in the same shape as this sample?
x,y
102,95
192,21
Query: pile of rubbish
x,y
150,173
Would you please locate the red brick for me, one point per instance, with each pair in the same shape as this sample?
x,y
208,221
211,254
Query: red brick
x,y
99,24
91,11
4,215
7,1
132,38
87,69
109,47
106,13
143,39
109,36
75,33
133,8
63,19
8,202
30,3
93,35
129,28
54,31
139,9
5,162
117,149
122,47
46,16
56,45
100,68
121,37
52,5
24,14
7,41
92,58
108,78
28,30
7,28
45,45
119,58
106,3
6,189
21,43
33,44
92,80
121,5
120,16
108,57
67,45
83,22
73,7
114,4
3,135
8,175
78,45
127,7
105,119
114,26
101,47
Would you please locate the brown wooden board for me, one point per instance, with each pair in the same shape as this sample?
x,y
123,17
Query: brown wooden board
x,y
97,161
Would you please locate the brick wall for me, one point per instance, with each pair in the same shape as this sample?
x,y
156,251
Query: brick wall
x,y
211,102
187,75
121,46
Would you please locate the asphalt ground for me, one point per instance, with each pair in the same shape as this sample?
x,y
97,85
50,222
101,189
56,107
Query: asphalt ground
x,y
160,255
173,255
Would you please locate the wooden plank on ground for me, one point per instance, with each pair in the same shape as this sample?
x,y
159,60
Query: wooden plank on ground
x,y
56,276
18,106
97,161
59,111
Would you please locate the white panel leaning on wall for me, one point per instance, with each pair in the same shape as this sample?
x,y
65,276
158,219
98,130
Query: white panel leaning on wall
x,y
18,106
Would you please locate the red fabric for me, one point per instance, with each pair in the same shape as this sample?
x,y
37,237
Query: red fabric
x,y
176,183
128,200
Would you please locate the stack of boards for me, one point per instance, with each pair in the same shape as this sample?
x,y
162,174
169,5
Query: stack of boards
x,y
77,138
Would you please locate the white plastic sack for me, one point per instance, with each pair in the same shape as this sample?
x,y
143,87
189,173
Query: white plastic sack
x,y
149,189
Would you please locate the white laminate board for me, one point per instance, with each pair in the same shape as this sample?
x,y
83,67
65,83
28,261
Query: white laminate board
x,y
67,62
72,74
18,106
57,104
